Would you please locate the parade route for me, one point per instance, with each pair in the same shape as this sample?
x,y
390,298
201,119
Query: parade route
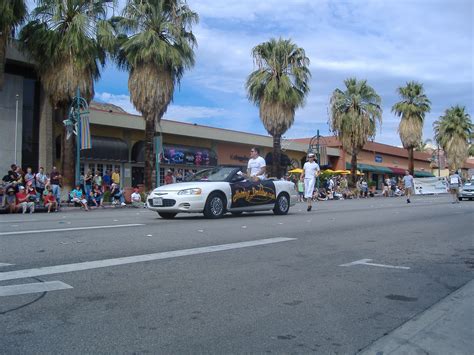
x,y
334,280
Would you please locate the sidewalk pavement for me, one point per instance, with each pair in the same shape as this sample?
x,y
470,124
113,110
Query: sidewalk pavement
x,y
445,328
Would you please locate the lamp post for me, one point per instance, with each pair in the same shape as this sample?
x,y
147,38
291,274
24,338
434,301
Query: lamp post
x,y
17,98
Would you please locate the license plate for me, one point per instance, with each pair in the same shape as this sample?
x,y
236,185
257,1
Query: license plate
x,y
158,201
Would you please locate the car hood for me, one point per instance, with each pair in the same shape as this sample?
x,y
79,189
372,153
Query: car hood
x,y
180,186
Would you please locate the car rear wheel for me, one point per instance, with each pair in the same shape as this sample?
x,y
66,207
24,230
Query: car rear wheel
x,y
167,215
215,206
282,204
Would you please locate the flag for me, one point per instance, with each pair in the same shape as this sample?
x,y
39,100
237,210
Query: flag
x,y
85,133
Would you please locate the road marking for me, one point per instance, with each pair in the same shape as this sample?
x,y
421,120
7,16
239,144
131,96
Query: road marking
x,y
33,288
20,221
70,229
366,262
5,264
60,269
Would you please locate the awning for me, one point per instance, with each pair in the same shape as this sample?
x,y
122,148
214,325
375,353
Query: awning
x,y
398,171
423,174
371,168
106,149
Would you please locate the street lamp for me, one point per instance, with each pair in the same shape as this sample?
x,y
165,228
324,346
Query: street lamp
x,y
17,98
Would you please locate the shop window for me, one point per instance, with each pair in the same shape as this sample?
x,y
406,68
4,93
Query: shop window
x,y
100,168
58,147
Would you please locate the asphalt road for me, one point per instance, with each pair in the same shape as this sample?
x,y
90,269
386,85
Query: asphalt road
x,y
276,286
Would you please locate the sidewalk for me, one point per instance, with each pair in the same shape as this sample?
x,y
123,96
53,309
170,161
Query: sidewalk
x,y
445,328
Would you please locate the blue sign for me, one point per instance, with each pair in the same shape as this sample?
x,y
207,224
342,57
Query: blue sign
x,y
378,159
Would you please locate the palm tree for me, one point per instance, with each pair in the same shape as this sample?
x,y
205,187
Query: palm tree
x,y
453,131
354,115
12,14
156,46
424,146
66,39
278,86
412,110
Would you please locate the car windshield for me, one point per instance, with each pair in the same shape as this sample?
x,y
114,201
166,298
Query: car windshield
x,y
215,174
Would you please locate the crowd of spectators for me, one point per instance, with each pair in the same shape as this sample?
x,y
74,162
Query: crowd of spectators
x,y
27,191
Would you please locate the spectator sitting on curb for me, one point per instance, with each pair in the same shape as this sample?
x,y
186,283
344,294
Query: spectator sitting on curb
x,y
97,196
31,192
23,202
10,198
117,194
50,201
136,198
77,196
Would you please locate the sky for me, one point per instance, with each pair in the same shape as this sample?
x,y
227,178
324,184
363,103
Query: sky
x,y
385,42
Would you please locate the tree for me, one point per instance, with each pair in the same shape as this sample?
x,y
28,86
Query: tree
x,y
12,14
278,87
424,146
354,115
67,41
453,131
412,110
156,46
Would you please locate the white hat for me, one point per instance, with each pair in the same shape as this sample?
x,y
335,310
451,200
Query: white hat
x,y
311,155
21,187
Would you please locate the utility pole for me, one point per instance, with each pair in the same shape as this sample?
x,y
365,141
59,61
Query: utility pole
x,y
439,164
17,97
318,155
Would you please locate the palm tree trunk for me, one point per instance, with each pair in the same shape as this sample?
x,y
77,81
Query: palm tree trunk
x,y
276,166
3,54
354,169
411,166
149,152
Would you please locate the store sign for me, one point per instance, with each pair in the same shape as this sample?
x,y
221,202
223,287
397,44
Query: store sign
x,y
188,156
378,159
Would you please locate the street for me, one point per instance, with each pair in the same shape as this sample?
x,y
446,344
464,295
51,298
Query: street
x,y
331,281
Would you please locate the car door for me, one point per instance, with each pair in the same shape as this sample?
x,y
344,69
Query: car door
x,y
250,195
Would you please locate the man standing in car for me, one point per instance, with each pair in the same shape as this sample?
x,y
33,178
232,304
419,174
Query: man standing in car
x,y
256,165
310,172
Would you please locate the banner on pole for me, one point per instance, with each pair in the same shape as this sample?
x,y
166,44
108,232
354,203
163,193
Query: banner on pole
x,y
86,142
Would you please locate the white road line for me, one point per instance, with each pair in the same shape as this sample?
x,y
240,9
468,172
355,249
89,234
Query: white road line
x,y
366,262
71,229
33,288
5,264
22,221
60,269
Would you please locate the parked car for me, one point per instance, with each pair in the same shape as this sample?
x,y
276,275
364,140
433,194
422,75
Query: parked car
x,y
218,190
467,191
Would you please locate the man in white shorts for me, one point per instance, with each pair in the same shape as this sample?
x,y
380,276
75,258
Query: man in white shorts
x,y
310,172
256,165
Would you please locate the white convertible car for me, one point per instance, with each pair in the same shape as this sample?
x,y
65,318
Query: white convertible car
x,y
219,190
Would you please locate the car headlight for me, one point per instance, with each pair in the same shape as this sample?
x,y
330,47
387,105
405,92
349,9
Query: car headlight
x,y
195,191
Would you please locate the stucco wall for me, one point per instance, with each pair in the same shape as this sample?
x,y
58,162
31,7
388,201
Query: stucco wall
x,y
13,86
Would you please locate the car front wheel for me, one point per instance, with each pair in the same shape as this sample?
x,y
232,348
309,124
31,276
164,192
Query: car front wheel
x,y
215,206
282,204
167,215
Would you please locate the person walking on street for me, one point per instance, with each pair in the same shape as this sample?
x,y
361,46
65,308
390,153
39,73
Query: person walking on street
x,y
408,184
310,171
454,183
300,190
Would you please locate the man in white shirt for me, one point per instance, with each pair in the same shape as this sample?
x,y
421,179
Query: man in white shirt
x,y
409,185
310,171
256,165
454,183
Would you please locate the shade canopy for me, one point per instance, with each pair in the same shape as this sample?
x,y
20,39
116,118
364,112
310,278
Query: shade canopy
x,y
106,149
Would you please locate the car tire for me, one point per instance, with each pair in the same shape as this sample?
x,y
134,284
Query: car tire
x,y
282,204
215,206
167,215
460,198
237,213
